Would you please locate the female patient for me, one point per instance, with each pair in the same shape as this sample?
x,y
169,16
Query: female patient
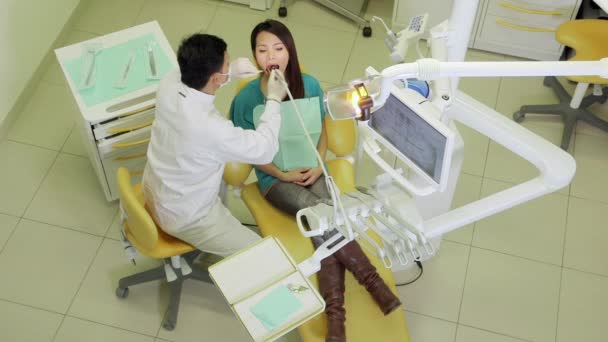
x,y
273,46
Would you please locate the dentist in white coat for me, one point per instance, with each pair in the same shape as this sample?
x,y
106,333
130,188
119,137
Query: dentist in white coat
x,y
191,142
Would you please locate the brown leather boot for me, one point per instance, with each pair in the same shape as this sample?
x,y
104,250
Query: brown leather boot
x,y
331,287
353,258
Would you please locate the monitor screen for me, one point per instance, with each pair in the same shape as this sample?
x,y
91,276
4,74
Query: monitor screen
x,y
411,135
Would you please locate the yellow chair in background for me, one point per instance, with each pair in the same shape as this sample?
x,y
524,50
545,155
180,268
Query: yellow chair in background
x,y
588,38
364,321
149,240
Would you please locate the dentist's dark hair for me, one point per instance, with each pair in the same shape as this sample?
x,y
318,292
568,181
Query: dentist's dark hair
x,y
199,56
293,75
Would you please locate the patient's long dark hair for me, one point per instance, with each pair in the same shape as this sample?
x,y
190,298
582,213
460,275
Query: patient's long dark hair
x,y
293,75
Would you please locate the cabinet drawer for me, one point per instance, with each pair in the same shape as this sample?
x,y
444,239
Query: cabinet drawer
x,y
135,163
518,33
124,143
548,13
124,124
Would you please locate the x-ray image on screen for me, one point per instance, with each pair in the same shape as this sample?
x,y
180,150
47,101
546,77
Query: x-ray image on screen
x,y
413,136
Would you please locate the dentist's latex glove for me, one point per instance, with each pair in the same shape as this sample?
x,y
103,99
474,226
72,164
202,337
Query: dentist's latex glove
x,y
275,90
243,68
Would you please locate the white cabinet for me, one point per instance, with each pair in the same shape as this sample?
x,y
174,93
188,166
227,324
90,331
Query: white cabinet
x,y
522,28
116,131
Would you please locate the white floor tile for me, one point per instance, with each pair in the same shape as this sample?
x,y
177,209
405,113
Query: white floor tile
x,y
71,196
204,312
467,191
74,330
74,144
178,18
142,311
303,11
511,296
25,324
504,165
236,36
372,52
583,307
47,119
484,89
468,334
518,91
591,167
439,291
7,225
106,16
586,237
42,254
323,52
476,150
23,169
424,328
525,230
53,73
114,232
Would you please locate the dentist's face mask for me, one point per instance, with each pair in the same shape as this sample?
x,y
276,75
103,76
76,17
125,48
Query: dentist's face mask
x,y
229,74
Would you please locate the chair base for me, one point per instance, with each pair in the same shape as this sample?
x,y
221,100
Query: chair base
x,y
568,114
175,287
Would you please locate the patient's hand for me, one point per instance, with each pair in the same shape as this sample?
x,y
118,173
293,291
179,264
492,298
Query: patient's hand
x,y
294,176
310,176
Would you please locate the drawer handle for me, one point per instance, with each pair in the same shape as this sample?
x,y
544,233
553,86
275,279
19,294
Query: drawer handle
x,y
137,110
135,156
128,129
523,28
528,11
129,144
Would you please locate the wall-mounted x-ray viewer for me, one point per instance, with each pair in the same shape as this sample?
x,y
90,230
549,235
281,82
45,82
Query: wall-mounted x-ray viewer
x,y
408,126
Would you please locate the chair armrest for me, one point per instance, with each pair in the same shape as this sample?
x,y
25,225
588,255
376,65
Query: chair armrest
x,y
236,174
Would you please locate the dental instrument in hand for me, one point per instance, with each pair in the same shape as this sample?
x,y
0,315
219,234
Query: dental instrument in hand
x,y
329,182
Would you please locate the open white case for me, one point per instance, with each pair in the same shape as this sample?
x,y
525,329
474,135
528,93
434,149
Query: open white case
x,y
247,277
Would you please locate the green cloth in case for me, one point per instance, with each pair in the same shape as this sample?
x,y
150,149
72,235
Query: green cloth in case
x,y
294,149
276,307
110,63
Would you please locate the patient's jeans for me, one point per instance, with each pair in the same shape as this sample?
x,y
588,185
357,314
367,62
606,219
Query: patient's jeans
x,y
290,198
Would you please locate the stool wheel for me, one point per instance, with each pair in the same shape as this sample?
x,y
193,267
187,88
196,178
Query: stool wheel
x,y
122,292
168,325
519,116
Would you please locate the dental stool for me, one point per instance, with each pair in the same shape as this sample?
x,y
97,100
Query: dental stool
x,y
143,234
364,321
589,39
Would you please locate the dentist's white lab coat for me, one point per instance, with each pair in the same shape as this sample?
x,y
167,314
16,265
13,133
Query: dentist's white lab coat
x,y
190,144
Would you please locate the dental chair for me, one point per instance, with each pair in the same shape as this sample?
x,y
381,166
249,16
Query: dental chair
x,y
364,321
149,240
588,38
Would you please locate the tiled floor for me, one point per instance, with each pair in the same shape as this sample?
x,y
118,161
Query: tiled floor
x,y
535,273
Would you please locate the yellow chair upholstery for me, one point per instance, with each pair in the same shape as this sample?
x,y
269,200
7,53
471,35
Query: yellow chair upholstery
x,y
588,38
141,230
149,240
364,321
